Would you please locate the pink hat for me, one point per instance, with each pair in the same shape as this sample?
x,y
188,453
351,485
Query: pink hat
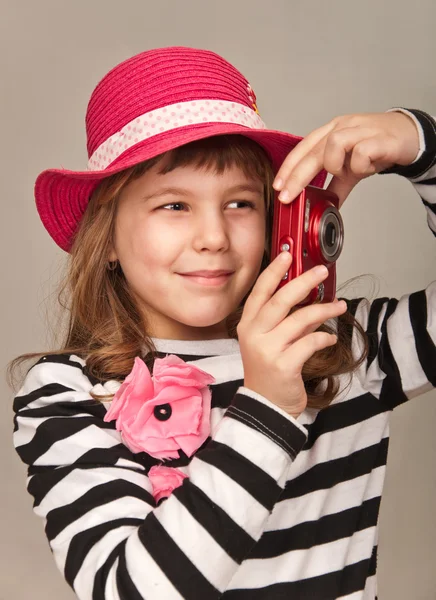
x,y
151,103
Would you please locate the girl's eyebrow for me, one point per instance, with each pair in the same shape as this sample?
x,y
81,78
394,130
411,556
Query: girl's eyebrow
x,y
247,187
177,191
173,191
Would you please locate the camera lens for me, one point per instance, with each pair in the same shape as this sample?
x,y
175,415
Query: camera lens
x,y
331,234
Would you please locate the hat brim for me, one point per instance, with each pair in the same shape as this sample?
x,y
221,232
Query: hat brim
x,y
62,195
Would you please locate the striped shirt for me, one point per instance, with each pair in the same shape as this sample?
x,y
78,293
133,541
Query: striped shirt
x,y
272,507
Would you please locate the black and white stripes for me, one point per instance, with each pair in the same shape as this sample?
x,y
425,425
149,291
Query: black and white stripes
x,y
272,507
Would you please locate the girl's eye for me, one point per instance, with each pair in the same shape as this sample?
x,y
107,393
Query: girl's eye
x,y
244,202
173,204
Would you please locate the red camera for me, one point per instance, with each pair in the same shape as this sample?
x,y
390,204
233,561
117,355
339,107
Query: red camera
x,y
311,228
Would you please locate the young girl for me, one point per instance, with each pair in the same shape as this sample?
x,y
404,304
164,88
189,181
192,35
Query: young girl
x,y
198,435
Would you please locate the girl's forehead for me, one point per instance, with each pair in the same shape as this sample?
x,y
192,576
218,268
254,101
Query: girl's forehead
x,y
193,174
190,181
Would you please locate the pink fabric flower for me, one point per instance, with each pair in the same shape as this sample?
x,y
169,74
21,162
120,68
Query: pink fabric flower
x,y
164,413
164,480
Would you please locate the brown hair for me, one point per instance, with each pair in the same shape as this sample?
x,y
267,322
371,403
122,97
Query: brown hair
x,y
105,326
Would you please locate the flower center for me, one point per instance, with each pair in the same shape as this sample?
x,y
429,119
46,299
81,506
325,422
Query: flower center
x,y
162,412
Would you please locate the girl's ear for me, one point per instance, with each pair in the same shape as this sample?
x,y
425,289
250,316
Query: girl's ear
x,y
112,256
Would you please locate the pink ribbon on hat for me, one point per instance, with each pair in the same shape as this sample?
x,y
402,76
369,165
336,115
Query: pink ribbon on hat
x,y
168,118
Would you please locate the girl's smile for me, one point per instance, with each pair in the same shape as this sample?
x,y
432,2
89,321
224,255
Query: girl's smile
x,y
209,280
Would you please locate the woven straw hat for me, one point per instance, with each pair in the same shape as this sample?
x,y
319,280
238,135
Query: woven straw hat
x,y
148,104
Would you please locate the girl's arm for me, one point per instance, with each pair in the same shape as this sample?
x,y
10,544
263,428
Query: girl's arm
x,y
402,333
107,536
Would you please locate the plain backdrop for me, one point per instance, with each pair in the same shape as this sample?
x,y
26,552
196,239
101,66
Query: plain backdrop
x,y
307,62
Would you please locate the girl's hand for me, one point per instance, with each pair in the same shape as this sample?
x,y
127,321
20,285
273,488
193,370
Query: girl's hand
x,y
351,148
275,345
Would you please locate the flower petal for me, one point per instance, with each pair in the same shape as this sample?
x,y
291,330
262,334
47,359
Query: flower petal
x,y
160,448
185,417
156,447
130,442
172,370
114,410
165,480
136,388
190,443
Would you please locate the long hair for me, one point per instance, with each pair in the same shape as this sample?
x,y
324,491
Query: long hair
x,y
104,324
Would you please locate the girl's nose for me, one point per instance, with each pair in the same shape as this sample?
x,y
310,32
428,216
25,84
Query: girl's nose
x,y
211,233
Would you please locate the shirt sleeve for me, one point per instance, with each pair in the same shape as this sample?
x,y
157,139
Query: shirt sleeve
x,y
108,537
402,332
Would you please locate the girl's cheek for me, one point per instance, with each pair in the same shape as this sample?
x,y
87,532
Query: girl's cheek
x,y
253,231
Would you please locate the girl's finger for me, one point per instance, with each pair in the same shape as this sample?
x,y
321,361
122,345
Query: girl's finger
x,y
367,157
301,351
330,153
339,143
294,292
372,154
307,320
265,286
303,172
302,148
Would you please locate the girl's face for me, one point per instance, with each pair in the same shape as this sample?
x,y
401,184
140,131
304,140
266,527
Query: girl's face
x,y
189,219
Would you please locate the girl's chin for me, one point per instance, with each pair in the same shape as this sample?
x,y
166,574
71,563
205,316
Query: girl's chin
x,y
198,316
201,322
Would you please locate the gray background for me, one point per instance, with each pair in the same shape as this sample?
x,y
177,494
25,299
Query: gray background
x,y
307,62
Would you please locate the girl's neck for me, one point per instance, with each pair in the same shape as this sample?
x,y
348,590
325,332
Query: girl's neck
x,y
197,347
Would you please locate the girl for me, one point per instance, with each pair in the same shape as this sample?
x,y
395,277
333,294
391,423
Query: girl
x,y
196,435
